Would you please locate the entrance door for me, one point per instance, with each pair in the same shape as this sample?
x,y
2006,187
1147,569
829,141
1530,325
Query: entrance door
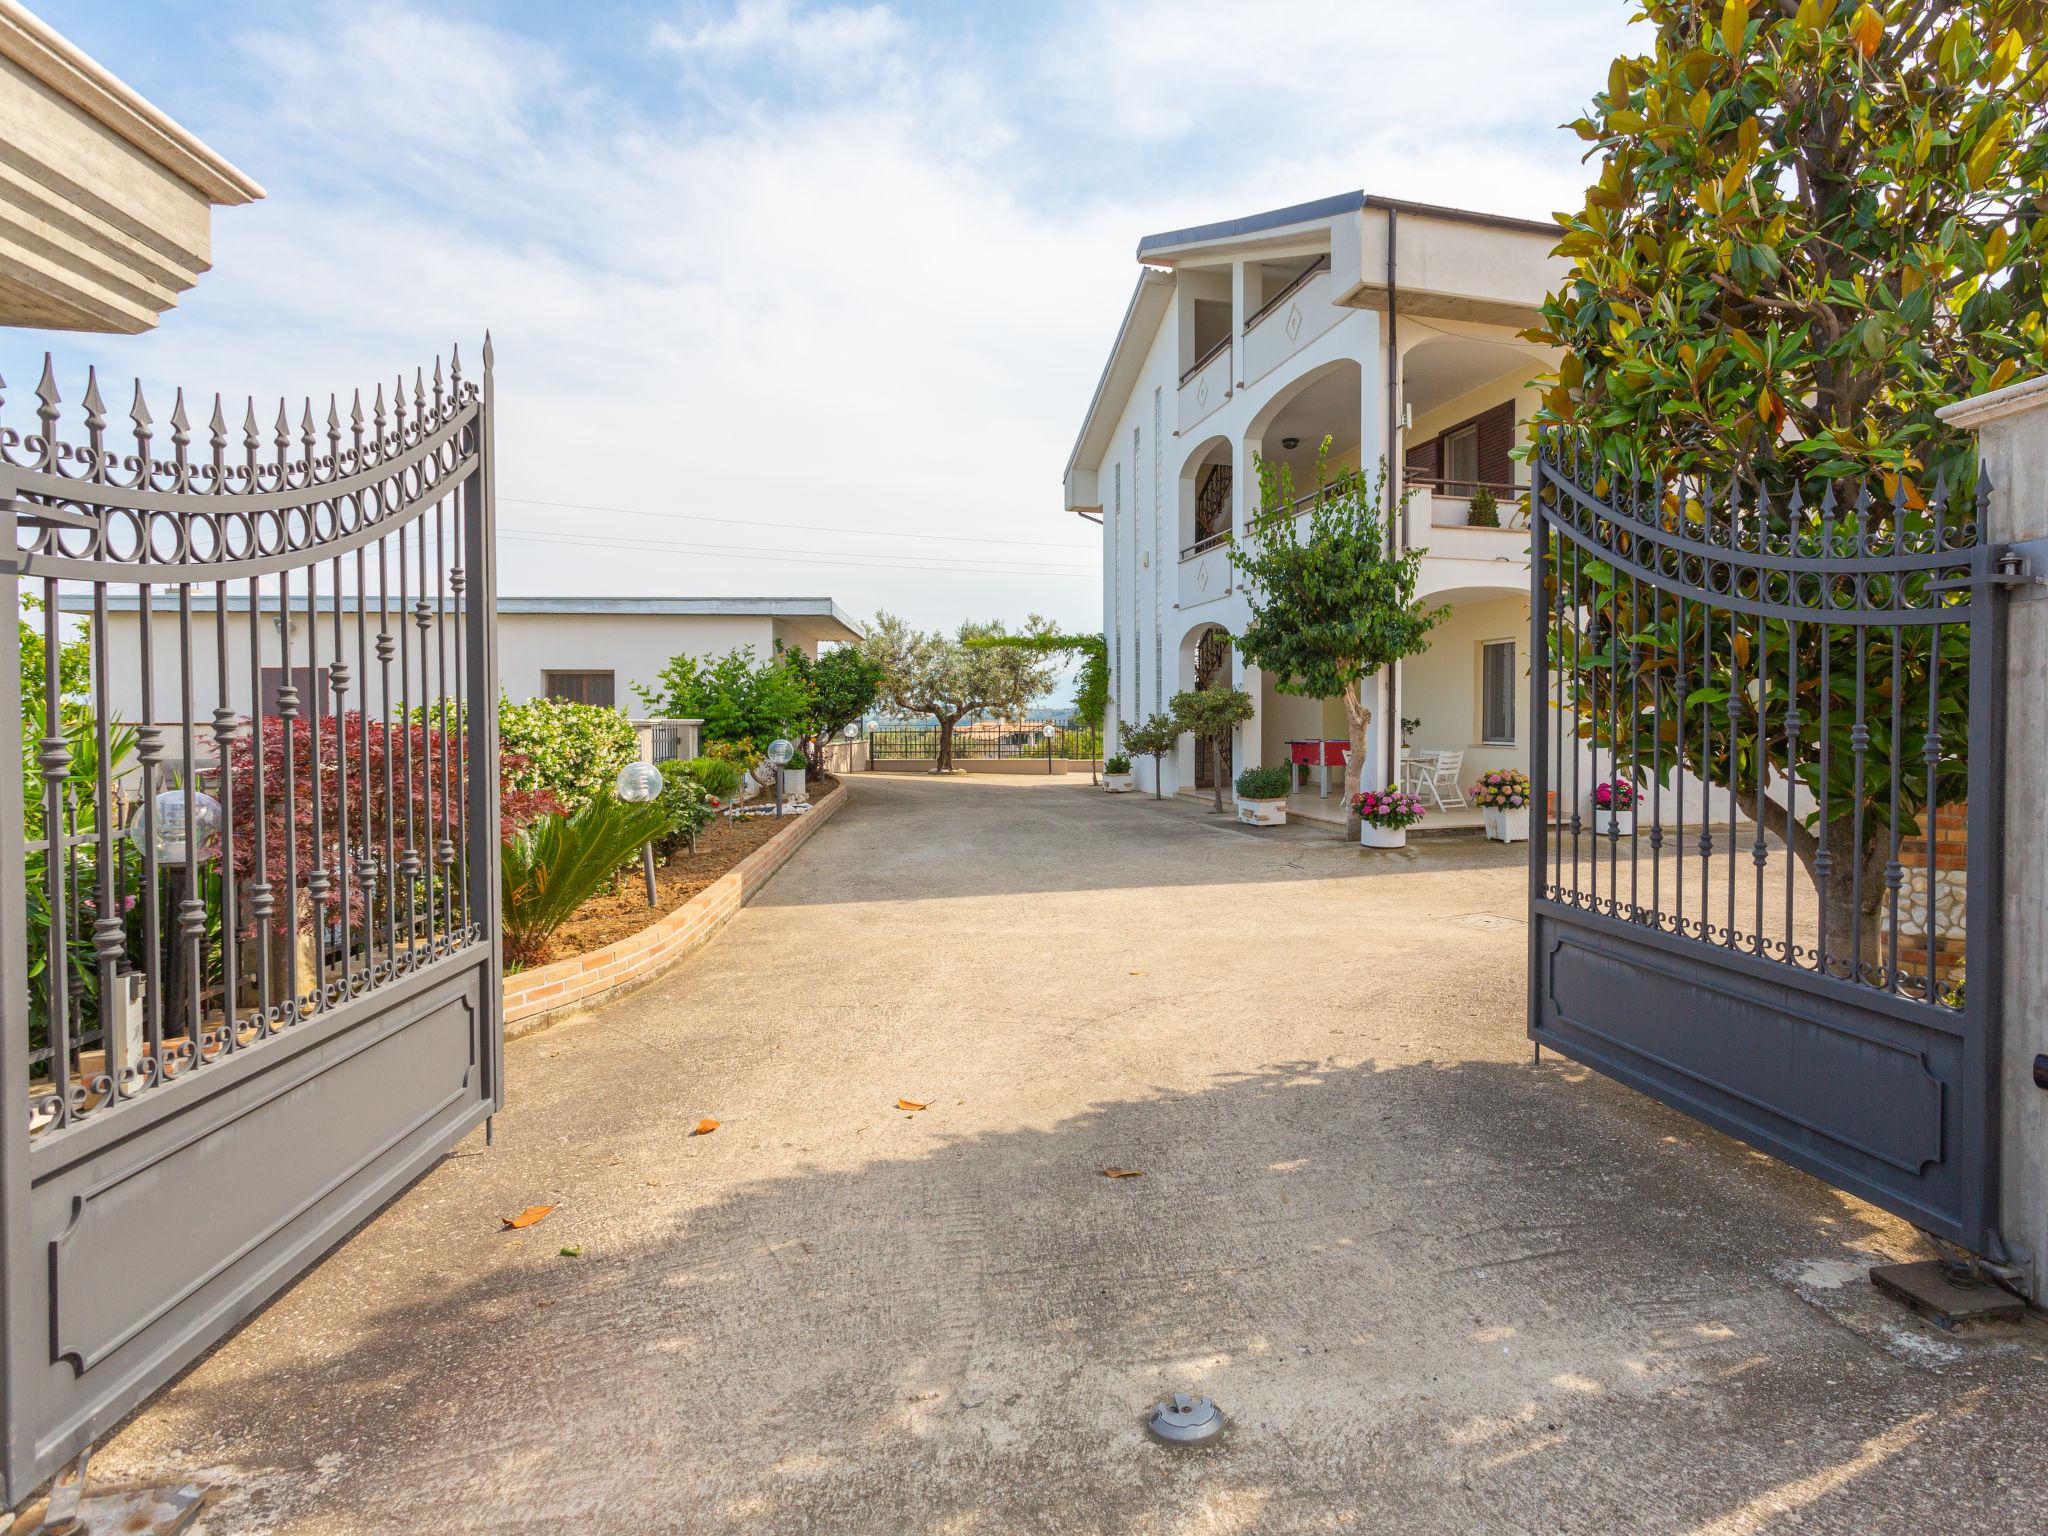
x,y
1212,670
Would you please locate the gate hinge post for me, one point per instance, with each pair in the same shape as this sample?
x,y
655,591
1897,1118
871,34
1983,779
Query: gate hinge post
x,y
2023,564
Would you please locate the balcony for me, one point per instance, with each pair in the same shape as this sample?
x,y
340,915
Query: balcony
x,y
1439,518
1205,571
1205,386
1289,321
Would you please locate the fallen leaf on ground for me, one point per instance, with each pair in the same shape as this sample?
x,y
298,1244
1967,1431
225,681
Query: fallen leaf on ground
x,y
1123,1173
705,1128
1137,973
573,1251
526,1218
911,1104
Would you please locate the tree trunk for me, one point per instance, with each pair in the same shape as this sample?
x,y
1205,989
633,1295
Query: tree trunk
x,y
945,762
1158,774
1216,770
1358,717
1841,910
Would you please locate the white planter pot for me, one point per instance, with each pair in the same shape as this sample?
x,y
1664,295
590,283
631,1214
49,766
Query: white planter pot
x,y
1621,822
1507,826
1263,813
1119,783
792,783
1370,836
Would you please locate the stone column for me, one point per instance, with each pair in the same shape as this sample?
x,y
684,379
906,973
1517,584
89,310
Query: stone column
x,y
2012,438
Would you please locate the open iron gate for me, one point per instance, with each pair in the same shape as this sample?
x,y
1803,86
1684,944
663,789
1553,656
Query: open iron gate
x,y
248,931
1761,724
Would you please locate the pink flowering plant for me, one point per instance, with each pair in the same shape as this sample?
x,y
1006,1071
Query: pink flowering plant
x,y
1391,808
1504,789
1615,795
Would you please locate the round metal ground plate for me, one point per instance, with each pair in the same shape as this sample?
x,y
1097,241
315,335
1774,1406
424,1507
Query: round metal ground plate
x,y
1185,1419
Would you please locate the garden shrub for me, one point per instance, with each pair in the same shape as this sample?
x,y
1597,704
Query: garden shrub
x,y
574,750
1116,762
690,809
1269,783
719,777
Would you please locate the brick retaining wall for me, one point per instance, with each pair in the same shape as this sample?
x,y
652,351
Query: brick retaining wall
x,y
582,982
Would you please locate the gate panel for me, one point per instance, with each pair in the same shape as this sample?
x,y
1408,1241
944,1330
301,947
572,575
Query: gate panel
x,y
259,988
1749,706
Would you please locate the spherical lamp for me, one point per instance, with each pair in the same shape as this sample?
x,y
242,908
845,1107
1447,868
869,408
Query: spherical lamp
x,y
638,783
174,841
780,751
851,731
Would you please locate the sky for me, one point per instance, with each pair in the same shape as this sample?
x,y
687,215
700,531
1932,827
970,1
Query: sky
x,y
787,299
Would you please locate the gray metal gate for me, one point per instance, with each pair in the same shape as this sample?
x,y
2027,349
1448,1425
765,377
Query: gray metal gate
x,y
248,929
1760,719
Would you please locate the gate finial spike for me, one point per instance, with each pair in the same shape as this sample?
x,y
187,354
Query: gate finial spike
x,y
333,416
181,424
139,412
355,411
46,391
455,372
250,435
487,351
95,408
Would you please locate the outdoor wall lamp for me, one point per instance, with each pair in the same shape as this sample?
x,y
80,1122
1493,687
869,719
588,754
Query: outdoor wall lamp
x,y
641,784
1290,443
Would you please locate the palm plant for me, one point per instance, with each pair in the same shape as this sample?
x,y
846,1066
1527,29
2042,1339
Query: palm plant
x,y
558,863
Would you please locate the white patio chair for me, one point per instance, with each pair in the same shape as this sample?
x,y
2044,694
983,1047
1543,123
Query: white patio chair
x,y
1416,767
1442,780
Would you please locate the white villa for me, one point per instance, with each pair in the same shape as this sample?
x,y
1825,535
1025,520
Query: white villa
x,y
1390,328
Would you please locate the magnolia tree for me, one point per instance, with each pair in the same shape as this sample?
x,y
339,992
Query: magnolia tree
x,y
1815,223
952,677
1331,604
1211,714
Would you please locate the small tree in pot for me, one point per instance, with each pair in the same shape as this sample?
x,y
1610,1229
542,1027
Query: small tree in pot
x,y
1212,713
1154,738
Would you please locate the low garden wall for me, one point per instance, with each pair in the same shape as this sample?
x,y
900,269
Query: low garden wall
x,y
534,998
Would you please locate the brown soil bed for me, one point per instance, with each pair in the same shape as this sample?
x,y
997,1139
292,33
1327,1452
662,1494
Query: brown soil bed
x,y
605,919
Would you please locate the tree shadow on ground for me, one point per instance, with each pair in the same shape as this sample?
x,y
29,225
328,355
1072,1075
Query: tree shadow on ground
x,y
1459,1297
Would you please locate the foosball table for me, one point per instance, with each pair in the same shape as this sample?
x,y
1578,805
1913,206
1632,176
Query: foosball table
x,y
1319,755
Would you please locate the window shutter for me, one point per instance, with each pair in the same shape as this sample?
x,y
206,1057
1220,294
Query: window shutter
x,y
1496,443
1421,461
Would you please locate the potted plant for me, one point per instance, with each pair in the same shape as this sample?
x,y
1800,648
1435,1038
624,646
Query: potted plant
x,y
1504,796
1117,777
1262,796
793,773
1385,815
1614,807
1485,511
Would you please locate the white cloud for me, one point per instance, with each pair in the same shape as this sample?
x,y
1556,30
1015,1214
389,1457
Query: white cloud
x,y
878,298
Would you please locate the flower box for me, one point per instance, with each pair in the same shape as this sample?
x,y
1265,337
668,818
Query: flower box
x,y
1370,836
1262,813
1508,826
1119,783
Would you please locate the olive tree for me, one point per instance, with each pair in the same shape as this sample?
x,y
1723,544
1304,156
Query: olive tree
x,y
1330,604
1211,714
953,678
1153,737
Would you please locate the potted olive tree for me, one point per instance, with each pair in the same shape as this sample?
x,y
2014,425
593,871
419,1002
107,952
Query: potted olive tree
x,y
1211,714
1154,737
1117,777
1262,796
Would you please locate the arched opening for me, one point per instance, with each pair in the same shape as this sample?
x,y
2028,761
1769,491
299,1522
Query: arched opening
x,y
1206,661
1325,402
1205,497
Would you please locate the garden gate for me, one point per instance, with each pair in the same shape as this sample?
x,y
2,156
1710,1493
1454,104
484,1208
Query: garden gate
x,y
248,928
1751,712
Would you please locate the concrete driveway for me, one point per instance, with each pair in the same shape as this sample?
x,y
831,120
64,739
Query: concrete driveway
x,y
1437,1289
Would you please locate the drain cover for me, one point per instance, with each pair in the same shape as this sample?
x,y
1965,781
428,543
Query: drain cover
x,y
1184,1419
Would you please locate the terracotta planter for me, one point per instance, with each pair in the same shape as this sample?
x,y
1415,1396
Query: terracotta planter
x,y
1263,813
1370,836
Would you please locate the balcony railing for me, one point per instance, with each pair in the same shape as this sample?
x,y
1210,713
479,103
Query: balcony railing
x,y
1222,344
1203,546
1320,264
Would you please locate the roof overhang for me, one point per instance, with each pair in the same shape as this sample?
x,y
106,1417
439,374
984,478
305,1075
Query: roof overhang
x,y
1119,376
105,203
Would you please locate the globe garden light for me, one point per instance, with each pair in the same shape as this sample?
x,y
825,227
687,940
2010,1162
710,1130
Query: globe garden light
x,y
638,783
851,731
1050,730
159,827
780,751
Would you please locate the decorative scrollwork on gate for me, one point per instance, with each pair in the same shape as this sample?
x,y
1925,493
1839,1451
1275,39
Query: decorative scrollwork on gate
x,y
251,727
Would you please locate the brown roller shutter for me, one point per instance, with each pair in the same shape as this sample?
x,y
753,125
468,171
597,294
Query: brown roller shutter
x,y
1421,461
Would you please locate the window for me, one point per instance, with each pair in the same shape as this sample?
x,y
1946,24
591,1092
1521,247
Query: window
x,y
313,695
580,687
1497,693
1461,461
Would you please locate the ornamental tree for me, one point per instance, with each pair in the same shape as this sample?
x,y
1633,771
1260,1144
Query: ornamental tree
x,y
950,677
843,685
1816,222
1091,686
1331,604
1211,714
1153,737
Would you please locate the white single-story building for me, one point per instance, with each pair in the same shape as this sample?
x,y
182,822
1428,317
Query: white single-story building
x,y
590,649
1393,330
